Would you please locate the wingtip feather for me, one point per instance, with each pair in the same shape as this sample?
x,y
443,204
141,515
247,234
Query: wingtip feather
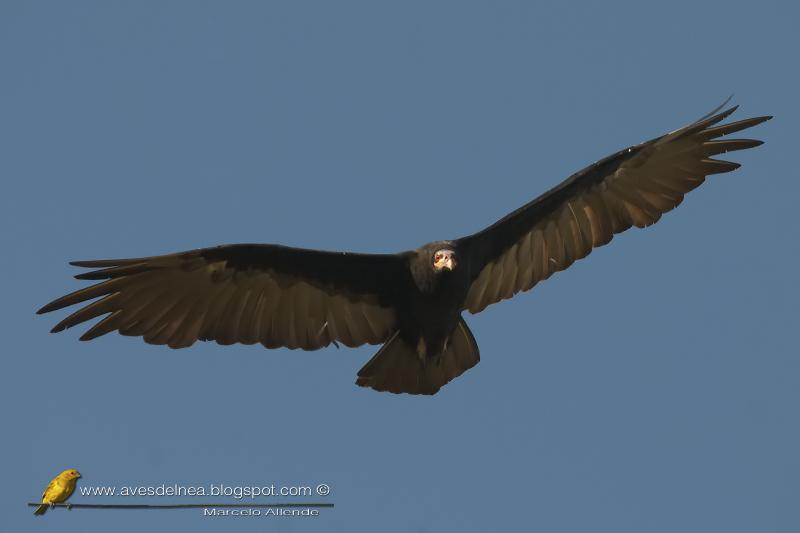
x,y
101,263
47,308
86,264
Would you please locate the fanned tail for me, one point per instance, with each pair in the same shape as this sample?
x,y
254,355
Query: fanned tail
x,y
397,366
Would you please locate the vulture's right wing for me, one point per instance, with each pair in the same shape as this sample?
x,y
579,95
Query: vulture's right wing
x,y
246,293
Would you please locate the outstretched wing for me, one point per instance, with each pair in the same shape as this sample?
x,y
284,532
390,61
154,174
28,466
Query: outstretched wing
x,y
246,293
633,187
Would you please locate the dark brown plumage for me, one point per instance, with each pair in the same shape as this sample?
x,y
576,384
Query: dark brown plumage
x,y
410,302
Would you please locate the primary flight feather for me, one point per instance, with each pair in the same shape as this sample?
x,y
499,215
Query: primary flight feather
x,y
411,302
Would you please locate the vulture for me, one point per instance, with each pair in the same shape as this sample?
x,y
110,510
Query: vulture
x,y
410,302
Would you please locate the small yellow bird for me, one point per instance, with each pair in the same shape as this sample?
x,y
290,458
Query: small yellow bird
x,y
59,489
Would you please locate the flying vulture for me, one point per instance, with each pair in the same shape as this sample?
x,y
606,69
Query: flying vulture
x,y
410,302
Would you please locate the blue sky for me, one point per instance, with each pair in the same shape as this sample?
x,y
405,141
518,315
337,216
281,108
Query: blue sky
x,y
652,387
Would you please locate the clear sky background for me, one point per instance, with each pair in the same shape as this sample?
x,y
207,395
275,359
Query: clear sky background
x,y
652,387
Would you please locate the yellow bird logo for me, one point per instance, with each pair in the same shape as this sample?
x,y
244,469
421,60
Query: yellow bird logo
x,y
58,490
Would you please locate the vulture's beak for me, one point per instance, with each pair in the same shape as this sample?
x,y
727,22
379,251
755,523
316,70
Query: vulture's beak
x,y
445,261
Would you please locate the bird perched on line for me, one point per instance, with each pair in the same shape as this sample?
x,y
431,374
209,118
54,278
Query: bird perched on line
x,y
411,302
58,490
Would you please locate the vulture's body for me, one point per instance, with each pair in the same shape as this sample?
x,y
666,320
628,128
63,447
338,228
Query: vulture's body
x,y
411,302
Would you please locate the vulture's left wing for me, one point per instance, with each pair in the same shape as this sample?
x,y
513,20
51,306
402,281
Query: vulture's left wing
x,y
245,293
633,187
